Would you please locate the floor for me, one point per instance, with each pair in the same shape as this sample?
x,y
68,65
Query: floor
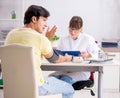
x,y
86,94
106,94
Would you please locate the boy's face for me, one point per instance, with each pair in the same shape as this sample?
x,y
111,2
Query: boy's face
x,y
41,24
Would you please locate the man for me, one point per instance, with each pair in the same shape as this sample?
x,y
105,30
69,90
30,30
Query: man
x,y
35,22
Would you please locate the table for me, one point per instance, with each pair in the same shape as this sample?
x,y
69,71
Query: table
x,y
84,66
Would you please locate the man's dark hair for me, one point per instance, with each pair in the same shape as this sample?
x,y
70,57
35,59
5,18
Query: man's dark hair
x,y
36,11
76,22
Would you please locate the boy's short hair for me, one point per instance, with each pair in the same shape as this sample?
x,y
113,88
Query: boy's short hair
x,y
36,11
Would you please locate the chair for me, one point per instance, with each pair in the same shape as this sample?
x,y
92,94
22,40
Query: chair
x,y
18,71
86,84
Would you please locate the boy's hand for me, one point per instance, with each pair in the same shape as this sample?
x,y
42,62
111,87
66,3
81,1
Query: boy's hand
x,y
51,33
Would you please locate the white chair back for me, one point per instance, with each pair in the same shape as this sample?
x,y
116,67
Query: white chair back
x,y
18,71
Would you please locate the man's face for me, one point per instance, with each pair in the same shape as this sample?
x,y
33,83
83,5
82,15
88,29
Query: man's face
x,y
41,24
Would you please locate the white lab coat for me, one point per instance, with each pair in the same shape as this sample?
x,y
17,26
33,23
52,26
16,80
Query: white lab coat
x,y
83,43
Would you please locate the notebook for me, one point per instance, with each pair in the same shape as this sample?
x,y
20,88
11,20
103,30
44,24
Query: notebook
x,y
73,53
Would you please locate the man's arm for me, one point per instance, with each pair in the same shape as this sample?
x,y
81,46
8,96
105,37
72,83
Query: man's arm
x,y
54,57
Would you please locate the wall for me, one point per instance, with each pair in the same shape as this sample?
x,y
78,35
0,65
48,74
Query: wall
x,y
100,16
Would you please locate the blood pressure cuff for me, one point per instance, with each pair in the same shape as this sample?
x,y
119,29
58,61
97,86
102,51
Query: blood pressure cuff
x,y
54,57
